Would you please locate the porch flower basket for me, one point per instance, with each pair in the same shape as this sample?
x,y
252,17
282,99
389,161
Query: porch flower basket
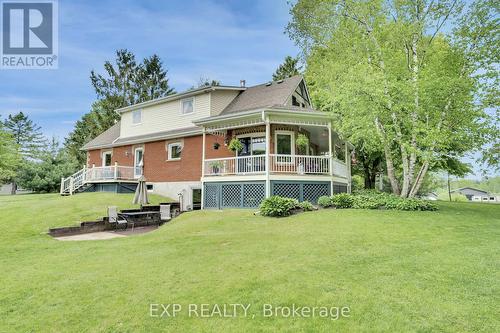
x,y
216,167
235,145
302,142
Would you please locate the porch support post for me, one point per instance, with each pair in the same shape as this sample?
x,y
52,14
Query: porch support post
x,y
116,171
348,166
203,168
268,160
330,155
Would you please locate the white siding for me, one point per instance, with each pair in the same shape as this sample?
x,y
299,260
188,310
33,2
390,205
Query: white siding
x,y
220,99
165,117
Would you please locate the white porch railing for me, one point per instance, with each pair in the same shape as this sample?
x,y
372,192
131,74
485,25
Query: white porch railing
x,y
339,168
300,164
95,174
240,165
290,164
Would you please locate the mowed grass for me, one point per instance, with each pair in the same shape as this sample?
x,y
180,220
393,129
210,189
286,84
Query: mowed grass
x,y
396,271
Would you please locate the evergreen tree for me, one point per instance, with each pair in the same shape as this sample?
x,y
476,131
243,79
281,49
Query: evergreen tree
x,y
287,69
124,83
152,81
9,156
27,137
44,175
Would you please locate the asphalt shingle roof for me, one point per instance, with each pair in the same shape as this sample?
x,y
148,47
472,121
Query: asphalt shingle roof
x,y
263,95
105,138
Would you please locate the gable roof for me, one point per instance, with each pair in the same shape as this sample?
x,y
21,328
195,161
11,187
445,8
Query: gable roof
x,y
469,188
105,138
264,95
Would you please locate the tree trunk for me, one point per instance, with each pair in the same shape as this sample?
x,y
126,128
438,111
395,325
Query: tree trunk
x,y
419,180
388,159
13,190
390,172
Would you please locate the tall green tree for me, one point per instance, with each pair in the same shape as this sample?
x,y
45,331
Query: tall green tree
x,y
9,156
390,73
290,67
44,174
27,137
123,83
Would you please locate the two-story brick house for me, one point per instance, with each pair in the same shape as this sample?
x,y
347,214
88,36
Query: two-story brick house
x,y
180,144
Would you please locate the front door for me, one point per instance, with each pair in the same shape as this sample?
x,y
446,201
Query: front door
x,y
138,162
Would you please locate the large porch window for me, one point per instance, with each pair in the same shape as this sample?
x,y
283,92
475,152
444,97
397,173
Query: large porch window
x,y
251,157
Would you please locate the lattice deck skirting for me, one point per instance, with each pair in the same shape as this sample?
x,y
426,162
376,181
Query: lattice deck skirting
x,y
250,194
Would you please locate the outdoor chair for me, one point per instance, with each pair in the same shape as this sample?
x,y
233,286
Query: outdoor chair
x,y
115,219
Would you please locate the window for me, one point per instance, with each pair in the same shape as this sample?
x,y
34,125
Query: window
x,y
284,143
187,105
174,151
106,158
136,116
253,144
138,162
294,101
149,187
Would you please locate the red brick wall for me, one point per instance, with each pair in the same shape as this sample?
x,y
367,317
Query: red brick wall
x,y
157,168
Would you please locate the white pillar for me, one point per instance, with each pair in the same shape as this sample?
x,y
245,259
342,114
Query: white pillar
x,y
268,160
330,155
84,173
71,185
116,170
348,166
203,168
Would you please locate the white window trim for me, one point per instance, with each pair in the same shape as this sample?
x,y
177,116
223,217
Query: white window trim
x,y
103,158
185,99
139,123
251,135
135,160
169,152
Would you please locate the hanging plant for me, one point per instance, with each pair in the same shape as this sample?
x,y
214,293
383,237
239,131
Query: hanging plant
x,y
302,142
235,145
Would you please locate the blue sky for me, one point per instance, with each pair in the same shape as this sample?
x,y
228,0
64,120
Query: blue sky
x,y
224,40
220,39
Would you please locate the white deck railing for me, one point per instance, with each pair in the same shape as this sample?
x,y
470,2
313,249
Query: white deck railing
x,y
285,164
339,168
95,174
240,165
300,164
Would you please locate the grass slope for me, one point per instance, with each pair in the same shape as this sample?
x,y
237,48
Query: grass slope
x,y
397,271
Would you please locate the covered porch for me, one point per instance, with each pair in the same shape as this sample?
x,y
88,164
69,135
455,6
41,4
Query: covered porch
x,y
271,150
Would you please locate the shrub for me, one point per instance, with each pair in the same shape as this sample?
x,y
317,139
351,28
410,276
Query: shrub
x,y
368,201
277,206
306,206
325,201
415,204
342,200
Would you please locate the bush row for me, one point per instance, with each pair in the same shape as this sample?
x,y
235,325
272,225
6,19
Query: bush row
x,y
375,200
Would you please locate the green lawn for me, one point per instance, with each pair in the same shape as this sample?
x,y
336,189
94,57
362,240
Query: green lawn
x,y
396,271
